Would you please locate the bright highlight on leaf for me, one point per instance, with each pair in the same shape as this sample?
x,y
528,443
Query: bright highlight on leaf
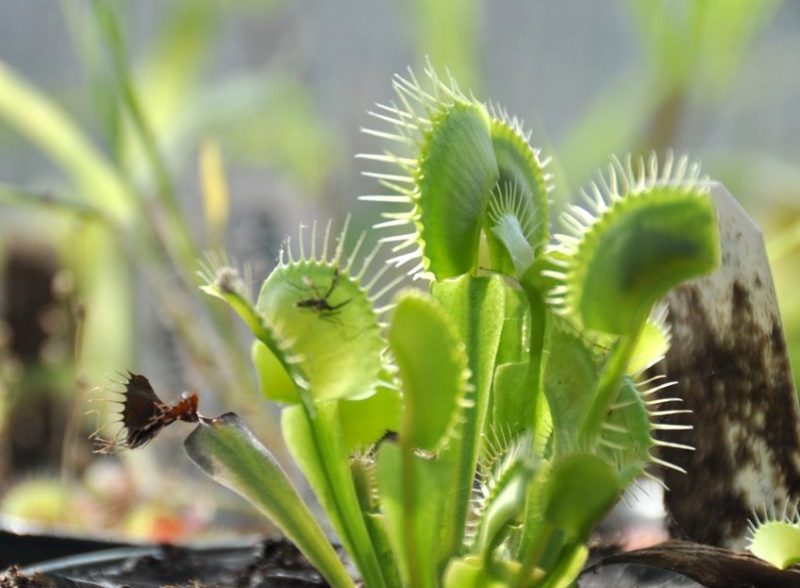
x,y
653,343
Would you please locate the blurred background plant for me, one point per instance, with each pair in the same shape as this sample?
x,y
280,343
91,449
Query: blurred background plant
x,y
115,118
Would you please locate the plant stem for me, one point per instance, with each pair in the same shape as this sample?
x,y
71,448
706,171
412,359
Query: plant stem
x,y
408,490
344,496
538,310
534,555
608,387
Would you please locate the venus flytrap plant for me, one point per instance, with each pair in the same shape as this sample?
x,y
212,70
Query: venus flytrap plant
x,y
474,435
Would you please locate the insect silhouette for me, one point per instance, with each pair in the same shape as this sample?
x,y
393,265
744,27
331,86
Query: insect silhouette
x,y
144,415
319,302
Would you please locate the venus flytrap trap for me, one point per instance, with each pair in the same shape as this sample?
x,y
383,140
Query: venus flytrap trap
x,y
473,435
776,539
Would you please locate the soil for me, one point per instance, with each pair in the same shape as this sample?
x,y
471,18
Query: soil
x,y
274,564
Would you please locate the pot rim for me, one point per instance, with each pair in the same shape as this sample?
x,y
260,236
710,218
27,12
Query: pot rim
x,y
108,556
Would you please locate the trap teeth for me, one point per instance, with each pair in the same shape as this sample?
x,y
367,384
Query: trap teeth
x,y
144,415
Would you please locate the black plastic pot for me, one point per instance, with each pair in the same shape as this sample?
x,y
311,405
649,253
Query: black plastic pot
x,y
270,563
24,549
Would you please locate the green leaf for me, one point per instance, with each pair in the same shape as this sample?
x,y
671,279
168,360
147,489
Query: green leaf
x,y
514,338
570,378
408,486
273,379
364,421
226,450
476,307
376,524
777,542
655,245
505,503
224,283
445,163
457,172
535,532
466,572
514,256
510,409
568,567
513,406
471,571
579,491
434,382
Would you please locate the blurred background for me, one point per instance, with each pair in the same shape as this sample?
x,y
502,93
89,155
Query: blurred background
x,y
136,136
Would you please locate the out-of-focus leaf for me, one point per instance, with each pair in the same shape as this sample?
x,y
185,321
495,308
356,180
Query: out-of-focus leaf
x,y
47,126
611,124
447,32
706,41
263,118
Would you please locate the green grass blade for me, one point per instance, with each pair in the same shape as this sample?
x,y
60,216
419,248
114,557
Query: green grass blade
x,y
47,126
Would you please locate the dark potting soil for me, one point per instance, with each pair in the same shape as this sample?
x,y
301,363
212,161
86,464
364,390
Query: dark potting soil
x,y
274,564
